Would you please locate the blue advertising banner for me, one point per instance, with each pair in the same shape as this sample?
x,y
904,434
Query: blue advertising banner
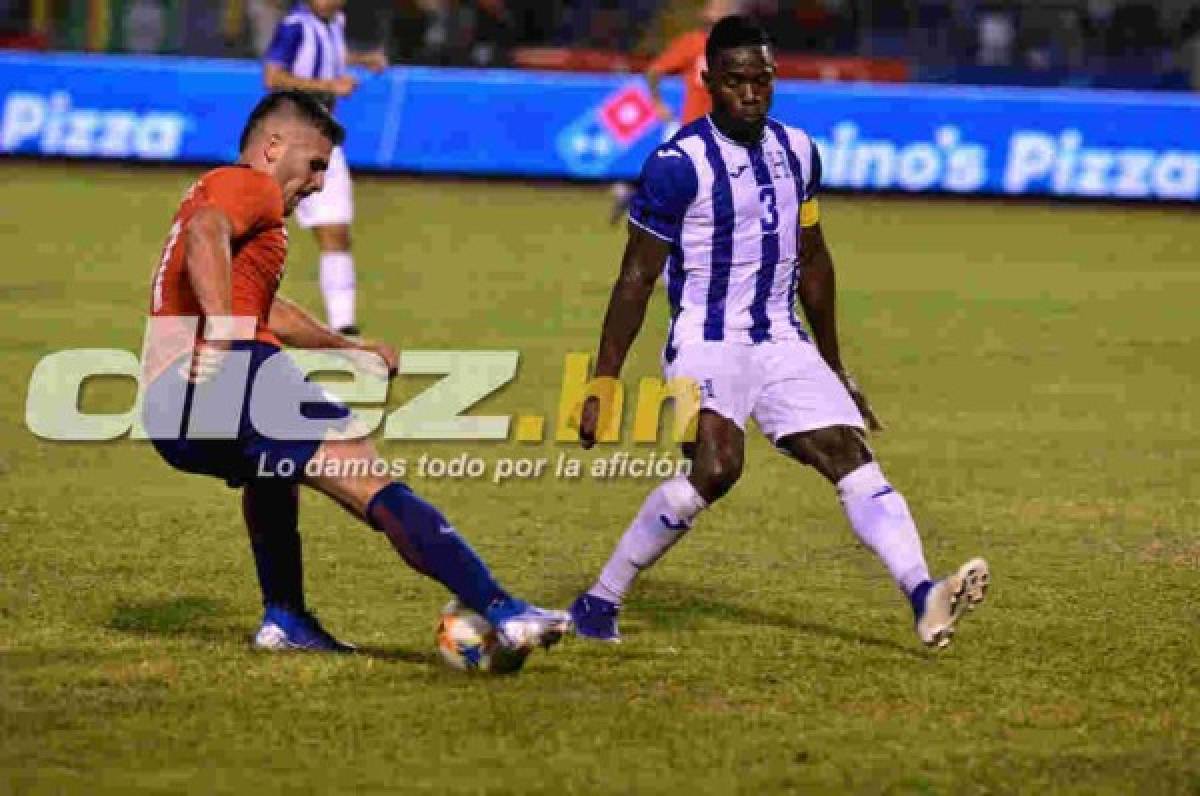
x,y
1109,144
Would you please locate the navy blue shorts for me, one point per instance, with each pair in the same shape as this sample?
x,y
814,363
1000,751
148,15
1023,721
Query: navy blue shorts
x,y
174,409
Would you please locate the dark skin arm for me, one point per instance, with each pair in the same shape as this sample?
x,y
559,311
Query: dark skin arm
x,y
640,266
817,291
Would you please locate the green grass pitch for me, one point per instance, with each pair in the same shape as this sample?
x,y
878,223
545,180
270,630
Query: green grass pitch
x,y
1038,370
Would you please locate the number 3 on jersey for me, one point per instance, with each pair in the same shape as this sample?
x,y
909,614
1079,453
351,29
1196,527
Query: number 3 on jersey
x,y
770,222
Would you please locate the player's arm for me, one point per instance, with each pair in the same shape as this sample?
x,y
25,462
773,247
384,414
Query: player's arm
x,y
277,78
208,266
672,61
208,260
653,83
281,53
666,189
298,328
375,60
817,291
817,286
641,264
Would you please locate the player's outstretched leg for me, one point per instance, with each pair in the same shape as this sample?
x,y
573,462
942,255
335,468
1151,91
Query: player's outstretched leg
x,y
664,518
430,544
271,510
881,519
938,606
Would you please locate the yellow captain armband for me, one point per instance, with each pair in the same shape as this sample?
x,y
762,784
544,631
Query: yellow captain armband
x,y
810,213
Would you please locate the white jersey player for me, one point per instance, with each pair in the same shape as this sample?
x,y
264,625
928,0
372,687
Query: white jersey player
x,y
308,52
730,205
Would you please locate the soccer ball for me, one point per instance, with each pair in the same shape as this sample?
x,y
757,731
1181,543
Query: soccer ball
x,y
469,643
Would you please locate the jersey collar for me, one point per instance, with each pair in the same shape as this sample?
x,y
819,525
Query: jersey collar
x,y
717,132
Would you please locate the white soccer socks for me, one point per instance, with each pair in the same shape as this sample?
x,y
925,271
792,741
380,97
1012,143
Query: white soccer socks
x,y
880,518
337,286
665,517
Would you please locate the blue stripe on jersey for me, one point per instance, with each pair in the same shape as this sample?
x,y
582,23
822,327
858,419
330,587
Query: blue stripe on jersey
x,y
724,219
798,176
760,329
792,304
318,50
793,161
675,281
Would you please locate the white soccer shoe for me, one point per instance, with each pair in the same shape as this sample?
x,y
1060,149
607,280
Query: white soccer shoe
x,y
533,627
948,599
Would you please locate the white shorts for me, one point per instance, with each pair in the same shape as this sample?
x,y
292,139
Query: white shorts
x,y
334,204
785,386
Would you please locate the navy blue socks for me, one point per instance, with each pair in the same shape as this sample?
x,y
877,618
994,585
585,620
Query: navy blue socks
x,y
431,546
271,509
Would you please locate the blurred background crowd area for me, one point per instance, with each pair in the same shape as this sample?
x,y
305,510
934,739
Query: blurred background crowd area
x,y
1104,43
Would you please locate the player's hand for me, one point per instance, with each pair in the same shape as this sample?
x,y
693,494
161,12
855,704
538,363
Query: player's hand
x,y
589,420
343,86
860,400
663,112
385,352
376,61
207,359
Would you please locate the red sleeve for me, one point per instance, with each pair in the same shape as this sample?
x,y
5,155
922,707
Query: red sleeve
x,y
678,56
250,200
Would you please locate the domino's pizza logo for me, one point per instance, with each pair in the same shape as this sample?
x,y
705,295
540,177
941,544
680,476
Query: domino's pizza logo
x,y
590,144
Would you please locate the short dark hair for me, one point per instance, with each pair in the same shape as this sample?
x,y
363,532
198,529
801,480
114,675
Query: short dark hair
x,y
300,103
734,31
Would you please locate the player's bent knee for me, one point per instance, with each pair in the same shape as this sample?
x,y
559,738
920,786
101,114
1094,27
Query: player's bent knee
x,y
835,451
347,471
715,474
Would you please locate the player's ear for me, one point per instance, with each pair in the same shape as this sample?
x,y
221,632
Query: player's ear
x,y
274,148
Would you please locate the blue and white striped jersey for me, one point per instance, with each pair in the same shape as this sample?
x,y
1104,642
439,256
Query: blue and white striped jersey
x,y
308,46
731,214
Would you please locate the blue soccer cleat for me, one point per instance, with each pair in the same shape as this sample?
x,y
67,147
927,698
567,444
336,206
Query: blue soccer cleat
x,y
939,605
284,629
595,618
521,626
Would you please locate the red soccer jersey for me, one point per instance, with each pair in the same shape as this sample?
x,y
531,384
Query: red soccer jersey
x,y
685,56
253,203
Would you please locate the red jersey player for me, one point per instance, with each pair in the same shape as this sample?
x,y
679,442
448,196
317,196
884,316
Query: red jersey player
x,y
224,400
683,56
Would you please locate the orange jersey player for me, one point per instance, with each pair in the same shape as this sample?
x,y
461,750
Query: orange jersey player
x,y
684,56
223,399
253,205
